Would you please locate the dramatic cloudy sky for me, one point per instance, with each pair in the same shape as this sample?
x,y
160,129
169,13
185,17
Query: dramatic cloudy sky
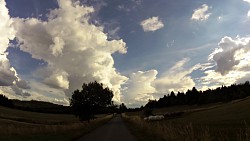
x,y
141,49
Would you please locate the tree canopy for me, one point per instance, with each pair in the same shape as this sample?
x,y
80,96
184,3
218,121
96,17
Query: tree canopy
x,y
4,101
90,100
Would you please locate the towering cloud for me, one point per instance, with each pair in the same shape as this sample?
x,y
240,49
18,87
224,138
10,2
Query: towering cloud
x,y
8,74
75,50
7,32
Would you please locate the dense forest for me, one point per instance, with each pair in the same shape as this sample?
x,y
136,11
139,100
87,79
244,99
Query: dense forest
x,y
192,97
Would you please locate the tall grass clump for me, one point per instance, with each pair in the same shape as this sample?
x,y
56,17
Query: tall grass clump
x,y
140,129
244,134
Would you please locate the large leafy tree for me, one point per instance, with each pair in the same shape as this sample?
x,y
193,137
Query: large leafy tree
x,y
91,99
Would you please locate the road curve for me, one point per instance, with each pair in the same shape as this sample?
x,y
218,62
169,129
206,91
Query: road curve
x,y
114,130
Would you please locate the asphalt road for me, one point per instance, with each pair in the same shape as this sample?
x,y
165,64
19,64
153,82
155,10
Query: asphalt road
x,y
114,130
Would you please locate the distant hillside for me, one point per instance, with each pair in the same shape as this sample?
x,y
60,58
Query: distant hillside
x,y
41,106
34,106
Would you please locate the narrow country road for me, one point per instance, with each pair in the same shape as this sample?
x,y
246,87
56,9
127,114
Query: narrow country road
x,y
114,130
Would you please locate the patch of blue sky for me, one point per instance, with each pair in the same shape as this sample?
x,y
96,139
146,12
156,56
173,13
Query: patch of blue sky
x,y
23,62
30,8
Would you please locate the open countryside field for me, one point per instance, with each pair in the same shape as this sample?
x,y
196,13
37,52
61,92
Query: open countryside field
x,y
233,113
227,121
16,125
33,117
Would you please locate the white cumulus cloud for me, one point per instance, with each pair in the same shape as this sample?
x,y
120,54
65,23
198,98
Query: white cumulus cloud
x,y
145,85
175,79
248,13
232,59
7,32
76,51
58,79
231,53
247,1
139,88
8,74
152,24
201,13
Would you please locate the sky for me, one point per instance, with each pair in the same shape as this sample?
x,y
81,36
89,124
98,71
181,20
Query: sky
x,y
140,49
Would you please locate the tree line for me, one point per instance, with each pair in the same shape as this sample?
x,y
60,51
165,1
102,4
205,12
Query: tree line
x,y
192,97
4,101
94,99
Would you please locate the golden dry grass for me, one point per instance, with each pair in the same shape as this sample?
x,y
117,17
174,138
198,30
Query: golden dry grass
x,y
17,125
162,130
225,122
19,128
